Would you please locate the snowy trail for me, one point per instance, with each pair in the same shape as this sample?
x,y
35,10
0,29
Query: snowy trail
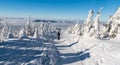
x,y
79,51
68,54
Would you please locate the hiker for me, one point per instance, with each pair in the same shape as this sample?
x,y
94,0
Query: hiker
x,y
58,34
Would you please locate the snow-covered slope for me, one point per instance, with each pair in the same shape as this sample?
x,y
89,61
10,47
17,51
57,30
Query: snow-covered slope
x,y
89,43
88,51
27,52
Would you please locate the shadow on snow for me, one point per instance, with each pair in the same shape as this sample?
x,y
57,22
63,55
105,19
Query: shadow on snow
x,y
74,57
67,58
69,45
18,55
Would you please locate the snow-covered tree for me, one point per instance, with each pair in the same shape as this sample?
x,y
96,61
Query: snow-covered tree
x,y
115,24
87,26
28,27
88,22
22,34
109,23
114,30
77,28
4,31
36,34
96,25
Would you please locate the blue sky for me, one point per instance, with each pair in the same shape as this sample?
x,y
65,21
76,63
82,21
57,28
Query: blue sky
x,y
57,9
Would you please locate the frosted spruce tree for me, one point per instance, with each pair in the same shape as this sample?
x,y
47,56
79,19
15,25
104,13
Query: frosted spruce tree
x,y
36,34
45,29
109,23
97,25
29,30
4,31
76,28
106,28
88,23
115,25
22,34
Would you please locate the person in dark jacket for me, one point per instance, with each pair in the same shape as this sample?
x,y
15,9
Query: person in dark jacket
x,y
58,34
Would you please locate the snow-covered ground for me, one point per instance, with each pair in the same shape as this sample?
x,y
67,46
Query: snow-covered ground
x,y
71,50
89,43
88,51
27,52
83,45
